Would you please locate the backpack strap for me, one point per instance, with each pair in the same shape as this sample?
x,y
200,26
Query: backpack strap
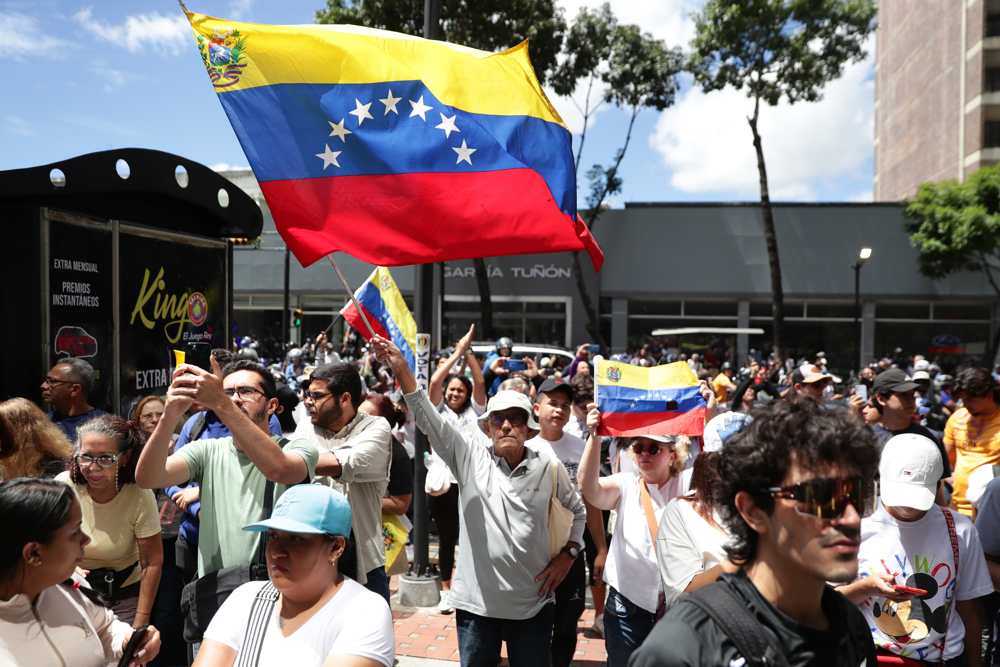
x,y
731,614
197,428
260,614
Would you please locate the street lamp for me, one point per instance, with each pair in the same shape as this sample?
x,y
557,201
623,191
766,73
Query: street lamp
x,y
865,254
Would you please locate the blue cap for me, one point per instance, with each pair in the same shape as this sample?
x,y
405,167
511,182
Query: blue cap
x,y
309,508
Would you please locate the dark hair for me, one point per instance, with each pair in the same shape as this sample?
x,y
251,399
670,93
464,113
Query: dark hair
x,y
223,356
340,378
32,509
80,372
125,433
467,383
705,482
976,383
387,409
583,388
785,433
267,383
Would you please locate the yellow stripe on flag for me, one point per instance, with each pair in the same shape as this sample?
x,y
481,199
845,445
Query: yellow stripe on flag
x,y
668,376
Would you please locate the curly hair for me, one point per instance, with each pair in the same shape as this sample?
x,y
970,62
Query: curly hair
x,y
125,433
786,433
976,383
680,445
42,443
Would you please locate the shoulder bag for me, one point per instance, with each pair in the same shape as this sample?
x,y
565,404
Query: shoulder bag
x,y
260,614
560,519
731,615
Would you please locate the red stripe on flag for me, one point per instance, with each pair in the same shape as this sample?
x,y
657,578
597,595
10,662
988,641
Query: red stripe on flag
x,y
628,424
403,219
352,317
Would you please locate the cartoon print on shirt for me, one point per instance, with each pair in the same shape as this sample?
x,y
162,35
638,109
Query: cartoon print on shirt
x,y
913,620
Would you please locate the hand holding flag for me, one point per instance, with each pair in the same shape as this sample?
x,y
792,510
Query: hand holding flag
x,y
662,400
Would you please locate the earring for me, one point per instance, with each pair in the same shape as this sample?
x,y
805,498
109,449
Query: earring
x,y
116,477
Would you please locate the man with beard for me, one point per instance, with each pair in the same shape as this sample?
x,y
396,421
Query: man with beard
x,y
232,471
794,485
355,453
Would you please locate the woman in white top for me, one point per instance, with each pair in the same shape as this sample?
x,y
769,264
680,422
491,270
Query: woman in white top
x,y
315,617
691,538
635,591
461,404
124,559
48,614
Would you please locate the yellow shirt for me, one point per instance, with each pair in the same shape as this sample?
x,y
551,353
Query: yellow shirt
x,y
976,441
721,386
115,526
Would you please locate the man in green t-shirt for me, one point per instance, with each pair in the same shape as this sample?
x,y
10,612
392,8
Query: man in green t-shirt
x,y
232,471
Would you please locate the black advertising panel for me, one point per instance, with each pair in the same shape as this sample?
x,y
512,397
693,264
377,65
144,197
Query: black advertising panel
x,y
80,302
172,293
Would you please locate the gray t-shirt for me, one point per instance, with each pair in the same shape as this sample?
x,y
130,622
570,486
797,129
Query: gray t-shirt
x,y
232,496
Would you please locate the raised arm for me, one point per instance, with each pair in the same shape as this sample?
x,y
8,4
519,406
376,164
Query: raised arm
x,y
436,386
156,469
601,492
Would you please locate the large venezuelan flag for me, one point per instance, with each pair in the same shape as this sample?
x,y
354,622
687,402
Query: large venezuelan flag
x,y
386,311
394,149
662,400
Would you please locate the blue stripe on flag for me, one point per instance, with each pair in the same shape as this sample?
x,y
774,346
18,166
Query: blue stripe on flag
x,y
614,398
371,299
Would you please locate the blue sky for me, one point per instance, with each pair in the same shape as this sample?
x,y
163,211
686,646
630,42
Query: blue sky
x,y
79,78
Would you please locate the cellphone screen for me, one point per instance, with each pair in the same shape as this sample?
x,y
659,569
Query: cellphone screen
x,y
200,355
515,365
862,391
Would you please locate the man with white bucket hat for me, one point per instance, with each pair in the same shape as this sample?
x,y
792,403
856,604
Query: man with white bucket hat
x,y
917,561
505,575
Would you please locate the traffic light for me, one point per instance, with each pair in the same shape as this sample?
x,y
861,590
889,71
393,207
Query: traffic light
x,y
297,317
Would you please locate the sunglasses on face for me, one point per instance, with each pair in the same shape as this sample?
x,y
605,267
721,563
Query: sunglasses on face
x,y
314,395
654,448
827,499
515,419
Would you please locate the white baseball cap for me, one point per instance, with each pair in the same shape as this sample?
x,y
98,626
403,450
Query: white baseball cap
x,y
510,399
910,469
721,427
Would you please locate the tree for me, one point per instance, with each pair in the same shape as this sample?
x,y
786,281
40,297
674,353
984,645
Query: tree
x,y
489,25
776,49
956,227
639,72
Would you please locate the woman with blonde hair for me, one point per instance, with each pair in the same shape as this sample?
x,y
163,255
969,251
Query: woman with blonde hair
x,y
44,452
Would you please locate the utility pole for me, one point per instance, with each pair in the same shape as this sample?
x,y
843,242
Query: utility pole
x,y
284,311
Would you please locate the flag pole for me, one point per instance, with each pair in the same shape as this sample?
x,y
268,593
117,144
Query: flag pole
x,y
351,293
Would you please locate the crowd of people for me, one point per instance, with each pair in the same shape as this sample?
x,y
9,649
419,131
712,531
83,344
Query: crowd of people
x,y
242,517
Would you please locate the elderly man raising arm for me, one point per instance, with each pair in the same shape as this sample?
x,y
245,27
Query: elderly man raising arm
x,y
505,577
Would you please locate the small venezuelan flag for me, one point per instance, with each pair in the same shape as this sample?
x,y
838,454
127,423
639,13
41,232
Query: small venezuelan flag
x,y
394,149
385,309
663,400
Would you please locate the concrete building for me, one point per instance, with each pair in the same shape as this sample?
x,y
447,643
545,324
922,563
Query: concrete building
x,y
672,266
937,92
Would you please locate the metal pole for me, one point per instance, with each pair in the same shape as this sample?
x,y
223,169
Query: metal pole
x,y
284,311
857,314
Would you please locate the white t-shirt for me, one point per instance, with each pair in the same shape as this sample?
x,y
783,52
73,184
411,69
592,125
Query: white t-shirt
x,y
686,546
631,566
466,424
355,622
568,450
920,551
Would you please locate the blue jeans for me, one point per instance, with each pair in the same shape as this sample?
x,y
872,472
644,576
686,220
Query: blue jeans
x,y
528,641
626,626
379,583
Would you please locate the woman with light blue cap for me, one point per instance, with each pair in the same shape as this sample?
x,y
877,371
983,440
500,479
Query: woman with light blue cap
x,y
308,614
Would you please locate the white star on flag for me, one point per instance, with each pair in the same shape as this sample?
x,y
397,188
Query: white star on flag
x,y
339,130
329,157
361,112
448,125
390,103
419,108
464,153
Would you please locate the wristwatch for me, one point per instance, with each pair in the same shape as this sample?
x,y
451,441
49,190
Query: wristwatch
x,y
572,551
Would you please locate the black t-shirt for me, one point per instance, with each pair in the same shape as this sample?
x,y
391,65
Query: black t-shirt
x,y
882,434
400,471
688,637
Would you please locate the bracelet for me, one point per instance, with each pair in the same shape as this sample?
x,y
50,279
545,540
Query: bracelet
x,y
470,352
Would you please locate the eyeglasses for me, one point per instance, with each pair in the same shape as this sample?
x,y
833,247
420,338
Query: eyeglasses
x,y
53,382
827,499
150,417
315,396
246,392
515,418
654,448
103,461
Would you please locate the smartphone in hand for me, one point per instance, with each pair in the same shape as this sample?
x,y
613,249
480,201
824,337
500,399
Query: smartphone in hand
x,y
515,365
138,636
199,354
908,589
862,391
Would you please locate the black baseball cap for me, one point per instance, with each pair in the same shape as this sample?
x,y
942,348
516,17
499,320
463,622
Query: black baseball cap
x,y
893,380
556,384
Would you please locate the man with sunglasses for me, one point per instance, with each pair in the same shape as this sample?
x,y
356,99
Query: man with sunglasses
x,y
67,389
232,471
909,542
355,452
794,486
506,576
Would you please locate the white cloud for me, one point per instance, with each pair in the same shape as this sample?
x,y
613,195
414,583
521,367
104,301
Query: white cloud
x,y
669,21
239,9
222,166
706,140
864,196
21,37
18,126
142,32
